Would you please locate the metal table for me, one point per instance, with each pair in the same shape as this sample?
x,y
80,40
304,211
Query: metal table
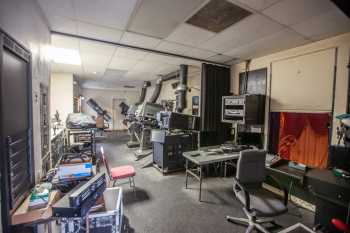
x,y
205,156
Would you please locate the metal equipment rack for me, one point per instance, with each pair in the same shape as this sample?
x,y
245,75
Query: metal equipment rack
x,y
81,137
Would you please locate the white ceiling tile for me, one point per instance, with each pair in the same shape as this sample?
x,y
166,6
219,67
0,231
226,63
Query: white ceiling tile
x,y
199,53
282,40
258,4
159,18
66,68
61,24
289,12
244,32
220,58
64,42
191,62
122,63
163,59
234,61
139,40
93,84
130,53
189,35
114,74
99,32
165,69
94,59
98,48
172,47
146,66
96,71
326,25
140,75
63,8
110,13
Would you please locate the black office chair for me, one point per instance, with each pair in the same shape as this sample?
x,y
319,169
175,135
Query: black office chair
x,y
259,204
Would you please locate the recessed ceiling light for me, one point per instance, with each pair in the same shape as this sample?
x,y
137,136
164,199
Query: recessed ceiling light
x,y
94,72
65,56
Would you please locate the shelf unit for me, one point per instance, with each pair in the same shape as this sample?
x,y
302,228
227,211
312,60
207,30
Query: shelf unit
x,y
243,109
83,136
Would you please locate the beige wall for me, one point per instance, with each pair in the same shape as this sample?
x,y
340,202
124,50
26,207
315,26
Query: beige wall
x,y
194,82
23,21
341,43
105,99
294,78
61,97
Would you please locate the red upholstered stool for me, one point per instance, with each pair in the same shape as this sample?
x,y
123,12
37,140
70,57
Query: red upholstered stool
x,y
121,172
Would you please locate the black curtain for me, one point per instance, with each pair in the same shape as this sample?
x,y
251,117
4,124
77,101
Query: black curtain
x,y
274,132
348,105
215,84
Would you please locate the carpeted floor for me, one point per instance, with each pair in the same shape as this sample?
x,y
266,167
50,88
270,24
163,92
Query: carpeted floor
x,y
163,205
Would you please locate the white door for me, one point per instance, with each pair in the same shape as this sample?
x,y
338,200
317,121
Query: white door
x,y
117,116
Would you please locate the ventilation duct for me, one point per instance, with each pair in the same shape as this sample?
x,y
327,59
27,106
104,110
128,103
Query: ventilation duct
x,y
159,83
182,89
143,92
156,91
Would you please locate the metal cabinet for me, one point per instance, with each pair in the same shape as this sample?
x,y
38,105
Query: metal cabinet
x,y
168,149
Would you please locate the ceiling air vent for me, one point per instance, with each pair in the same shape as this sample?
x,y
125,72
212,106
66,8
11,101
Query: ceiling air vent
x,y
129,86
218,15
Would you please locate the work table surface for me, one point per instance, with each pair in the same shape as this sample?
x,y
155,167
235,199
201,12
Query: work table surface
x,y
208,155
327,176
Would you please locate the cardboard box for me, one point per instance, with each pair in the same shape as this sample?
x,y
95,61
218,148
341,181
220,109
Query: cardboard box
x,y
74,171
23,215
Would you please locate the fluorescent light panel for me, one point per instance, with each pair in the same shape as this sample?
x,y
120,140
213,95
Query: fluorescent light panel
x,y
65,56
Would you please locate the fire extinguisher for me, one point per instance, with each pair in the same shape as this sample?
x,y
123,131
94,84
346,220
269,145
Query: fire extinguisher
x,y
340,225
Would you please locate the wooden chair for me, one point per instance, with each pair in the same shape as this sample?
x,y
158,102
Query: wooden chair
x,y
118,173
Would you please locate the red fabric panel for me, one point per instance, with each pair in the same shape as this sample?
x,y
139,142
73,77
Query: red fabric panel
x,y
303,138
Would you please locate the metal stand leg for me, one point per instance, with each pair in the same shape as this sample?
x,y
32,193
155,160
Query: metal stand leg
x,y
200,183
49,227
186,174
133,185
225,169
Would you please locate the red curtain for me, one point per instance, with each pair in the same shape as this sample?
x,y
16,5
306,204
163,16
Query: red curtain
x,y
303,138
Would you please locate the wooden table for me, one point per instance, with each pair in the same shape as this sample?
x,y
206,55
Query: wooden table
x,y
26,217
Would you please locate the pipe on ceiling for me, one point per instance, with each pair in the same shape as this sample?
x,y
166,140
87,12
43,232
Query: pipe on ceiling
x,y
143,92
139,48
159,83
156,91
182,89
